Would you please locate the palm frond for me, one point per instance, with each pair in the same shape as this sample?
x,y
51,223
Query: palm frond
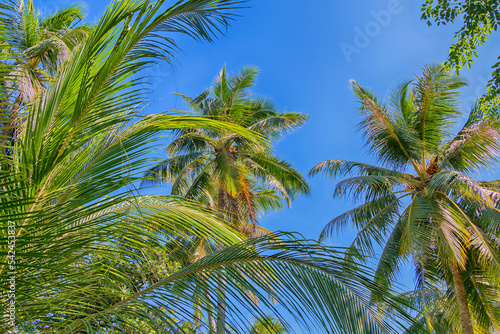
x,y
393,142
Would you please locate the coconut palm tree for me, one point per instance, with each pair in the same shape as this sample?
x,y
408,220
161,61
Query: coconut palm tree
x,y
422,203
222,168
201,160
37,46
70,217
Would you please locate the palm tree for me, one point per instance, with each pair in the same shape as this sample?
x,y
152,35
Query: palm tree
x,y
69,212
423,203
222,168
37,46
223,161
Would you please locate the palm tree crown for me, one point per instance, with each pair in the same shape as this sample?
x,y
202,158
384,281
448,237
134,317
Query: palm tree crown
x,y
39,44
223,168
35,47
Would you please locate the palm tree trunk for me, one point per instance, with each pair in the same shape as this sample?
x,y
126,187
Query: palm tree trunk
x,y
222,205
463,305
221,307
210,314
197,320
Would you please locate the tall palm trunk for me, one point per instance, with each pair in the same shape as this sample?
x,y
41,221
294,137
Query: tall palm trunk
x,y
198,317
210,314
223,206
211,321
221,306
463,305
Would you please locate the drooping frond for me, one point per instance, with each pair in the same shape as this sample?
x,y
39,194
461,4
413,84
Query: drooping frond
x,y
476,146
277,174
372,217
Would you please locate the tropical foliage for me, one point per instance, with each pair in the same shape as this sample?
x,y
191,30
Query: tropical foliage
x,y
38,45
224,168
434,312
83,247
422,204
480,19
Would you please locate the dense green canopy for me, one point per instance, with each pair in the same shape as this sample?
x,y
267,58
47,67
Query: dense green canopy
x,y
88,247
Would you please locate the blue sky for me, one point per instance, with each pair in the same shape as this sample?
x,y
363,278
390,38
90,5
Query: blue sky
x,y
307,52
298,47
